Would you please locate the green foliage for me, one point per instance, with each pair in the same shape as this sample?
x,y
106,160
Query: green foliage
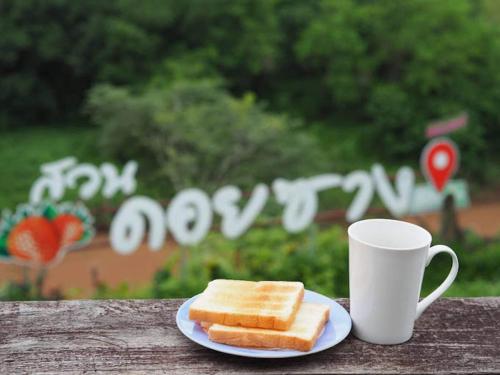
x,y
33,147
14,291
28,289
332,46
53,51
196,134
403,71
475,288
243,34
122,291
317,258
390,66
479,260
187,66
432,63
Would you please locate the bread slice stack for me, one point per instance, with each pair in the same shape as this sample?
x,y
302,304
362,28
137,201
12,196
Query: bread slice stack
x,y
263,314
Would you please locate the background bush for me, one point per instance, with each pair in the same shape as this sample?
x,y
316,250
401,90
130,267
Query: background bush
x,y
317,257
195,134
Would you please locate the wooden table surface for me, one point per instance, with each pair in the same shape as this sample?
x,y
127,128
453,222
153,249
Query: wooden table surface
x,y
453,336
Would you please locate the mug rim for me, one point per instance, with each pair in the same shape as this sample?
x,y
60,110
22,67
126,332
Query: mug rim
x,y
379,247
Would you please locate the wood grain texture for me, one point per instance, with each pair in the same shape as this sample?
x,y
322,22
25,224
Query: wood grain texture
x,y
454,336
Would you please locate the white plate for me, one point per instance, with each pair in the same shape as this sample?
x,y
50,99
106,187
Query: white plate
x,y
336,329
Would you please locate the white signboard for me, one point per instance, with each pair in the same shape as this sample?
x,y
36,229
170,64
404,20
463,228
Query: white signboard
x,y
427,199
190,214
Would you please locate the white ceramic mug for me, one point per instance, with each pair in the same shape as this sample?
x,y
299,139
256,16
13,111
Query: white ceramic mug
x,y
387,259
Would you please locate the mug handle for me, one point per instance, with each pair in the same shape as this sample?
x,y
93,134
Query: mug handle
x,y
424,304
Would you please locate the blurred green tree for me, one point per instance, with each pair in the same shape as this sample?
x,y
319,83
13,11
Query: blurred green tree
x,y
195,134
53,51
401,64
391,66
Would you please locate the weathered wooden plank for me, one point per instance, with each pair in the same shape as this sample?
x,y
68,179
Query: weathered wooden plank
x,y
453,336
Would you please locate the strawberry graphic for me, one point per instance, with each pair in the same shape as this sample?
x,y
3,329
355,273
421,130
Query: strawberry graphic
x,y
34,239
69,227
42,233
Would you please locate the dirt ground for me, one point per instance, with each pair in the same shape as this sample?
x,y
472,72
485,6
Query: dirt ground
x,y
483,219
78,271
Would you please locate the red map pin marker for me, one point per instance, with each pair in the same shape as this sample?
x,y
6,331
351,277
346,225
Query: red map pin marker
x,y
439,161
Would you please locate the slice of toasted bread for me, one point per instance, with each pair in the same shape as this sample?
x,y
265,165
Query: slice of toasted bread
x,y
262,304
302,334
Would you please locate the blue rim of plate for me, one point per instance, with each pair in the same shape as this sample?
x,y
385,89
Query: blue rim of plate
x,y
336,330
